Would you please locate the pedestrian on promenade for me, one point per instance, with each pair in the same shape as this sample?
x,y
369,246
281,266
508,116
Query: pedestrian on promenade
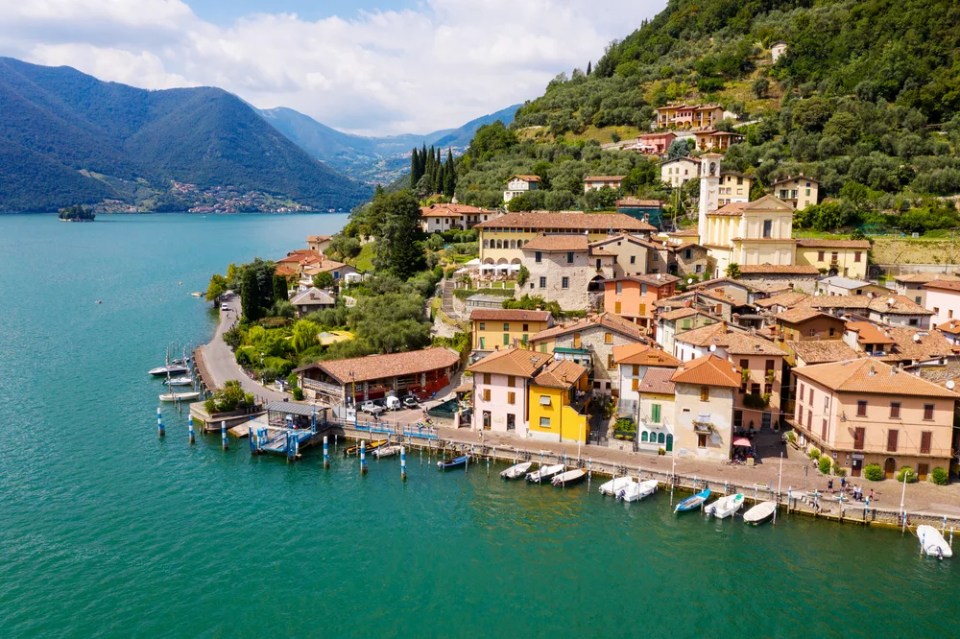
x,y
871,494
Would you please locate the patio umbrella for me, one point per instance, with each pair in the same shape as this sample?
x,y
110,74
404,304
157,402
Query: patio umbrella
x,y
742,441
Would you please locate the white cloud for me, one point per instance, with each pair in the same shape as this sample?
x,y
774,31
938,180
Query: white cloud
x,y
380,72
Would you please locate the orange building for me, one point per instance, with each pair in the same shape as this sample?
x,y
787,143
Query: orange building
x,y
633,297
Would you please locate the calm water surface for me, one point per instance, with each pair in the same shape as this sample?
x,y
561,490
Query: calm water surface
x,y
105,531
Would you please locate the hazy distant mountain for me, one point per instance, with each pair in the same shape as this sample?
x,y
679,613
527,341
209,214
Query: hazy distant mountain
x,y
371,159
68,138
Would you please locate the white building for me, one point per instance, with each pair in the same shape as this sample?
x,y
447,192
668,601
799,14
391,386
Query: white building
x,y
520,184
677,172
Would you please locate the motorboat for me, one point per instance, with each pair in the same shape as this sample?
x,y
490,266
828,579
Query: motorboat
x,y
369,447
455,462
168,370
725,506
615,485
180,397
693,502
386,451
516,471
185,380
545,473
932,543
637,491
761,513
570,477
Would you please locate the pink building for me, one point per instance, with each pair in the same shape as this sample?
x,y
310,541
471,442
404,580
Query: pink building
x,y
501,382
943,298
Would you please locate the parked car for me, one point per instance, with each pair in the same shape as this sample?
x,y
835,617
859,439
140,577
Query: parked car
x,y
410,402
393,403
224,307
372,408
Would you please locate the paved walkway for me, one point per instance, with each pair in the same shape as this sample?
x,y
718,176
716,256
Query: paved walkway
x,y
220,365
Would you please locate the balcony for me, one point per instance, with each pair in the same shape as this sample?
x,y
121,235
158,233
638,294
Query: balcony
x,y
703,424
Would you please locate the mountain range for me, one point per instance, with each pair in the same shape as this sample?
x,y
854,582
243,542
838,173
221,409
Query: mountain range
x,y
375,160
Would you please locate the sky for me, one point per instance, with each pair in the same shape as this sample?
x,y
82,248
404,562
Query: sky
x,y
373,67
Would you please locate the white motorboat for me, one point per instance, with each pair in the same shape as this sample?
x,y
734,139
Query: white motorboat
x,y
932,542
615,485
185,380
570,477
180,397
725,506
386,451
169,369
545,473
761,513
637,491
516,471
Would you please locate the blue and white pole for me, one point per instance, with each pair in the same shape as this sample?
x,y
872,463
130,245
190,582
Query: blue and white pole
x,y
223,434
253,440
160,429
326,452
403,464
191,435
363,457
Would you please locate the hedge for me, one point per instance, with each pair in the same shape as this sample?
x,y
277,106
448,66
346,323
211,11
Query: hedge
x,y
939,476
873,472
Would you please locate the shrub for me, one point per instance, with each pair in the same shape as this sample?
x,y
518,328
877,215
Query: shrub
x,y
791,437
873,472
298,394
910,474
824,464
839,470
813,453
939,476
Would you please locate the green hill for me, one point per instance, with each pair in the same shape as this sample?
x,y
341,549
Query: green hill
x,y
865,100
68,138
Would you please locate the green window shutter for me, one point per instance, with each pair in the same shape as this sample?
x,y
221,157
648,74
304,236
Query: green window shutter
x,y
655,413
506,339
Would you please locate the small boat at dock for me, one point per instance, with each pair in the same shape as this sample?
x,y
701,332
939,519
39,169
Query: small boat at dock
x,y
368,447
516,471
180,397
725,506
545,473
168,370
456,462
615,485
932,543
570,477
185,380
636,491
761,513
386,451
693,502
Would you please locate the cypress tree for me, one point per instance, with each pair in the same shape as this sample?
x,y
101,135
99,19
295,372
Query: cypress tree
x,y
414,165
589,68
450,181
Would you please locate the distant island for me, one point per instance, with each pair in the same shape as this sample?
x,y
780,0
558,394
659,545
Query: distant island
x,y
77,213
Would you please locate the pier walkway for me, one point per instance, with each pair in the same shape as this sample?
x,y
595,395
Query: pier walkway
x,y
218,365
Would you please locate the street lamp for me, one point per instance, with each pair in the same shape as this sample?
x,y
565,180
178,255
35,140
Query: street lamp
x,y
261,369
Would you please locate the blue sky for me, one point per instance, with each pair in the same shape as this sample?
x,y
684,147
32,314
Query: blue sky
x,y
371,67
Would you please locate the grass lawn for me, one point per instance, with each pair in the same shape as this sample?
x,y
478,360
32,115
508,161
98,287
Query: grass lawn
x,y
364,261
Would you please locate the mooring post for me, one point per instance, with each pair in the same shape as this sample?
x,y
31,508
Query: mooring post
x,y
403,464
326,452
789,497
160,429
589,469
191,436
363,457
223,434
253,440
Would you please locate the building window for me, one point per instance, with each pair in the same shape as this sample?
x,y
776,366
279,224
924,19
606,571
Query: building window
x,y
925,438
823,430
569,257
704,393
483,326
486,378
511,397
633,259
928,411
810,419
655,413
894,410
526,327
834,257
506,326
608,338
564,282
737,419
858,434
820,256
486,394
543,282
634,384
856,256
892,436
767,228
861,408
810,396
619,288
701,440
800,394
538,257
511,381
482,343
544,422
616,307
609,360
506,339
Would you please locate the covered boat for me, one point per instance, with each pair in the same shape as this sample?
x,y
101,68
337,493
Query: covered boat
x,y
725,506
180,397
615,485
570,477
932,543
455,462
761,513
637,491
516,471
693,502
169,369
186,380
545,473
386,451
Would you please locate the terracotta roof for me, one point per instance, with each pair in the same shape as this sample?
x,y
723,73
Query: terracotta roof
x,y
778,269
786,300
635,201
733,209
658,381
923,278
603,178
511,361
821,351
313,297
643,355
561,373
659,279
684,159
623,237
300,256
917,345
868,375
869,333
508,315
318,238
684,233
605,320
800,314
558,243
861,244
800,178
944,285
371,367
880,304
680,313
702,336
746,344
568,220
324,266
951,327
451,210
708,370
526,178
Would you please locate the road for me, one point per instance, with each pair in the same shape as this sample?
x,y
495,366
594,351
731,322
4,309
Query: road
x,y
221,365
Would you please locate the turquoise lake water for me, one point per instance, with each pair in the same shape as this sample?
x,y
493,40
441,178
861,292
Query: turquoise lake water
x,y
106,531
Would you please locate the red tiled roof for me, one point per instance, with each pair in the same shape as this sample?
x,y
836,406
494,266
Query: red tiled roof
x,y
861,244
558,243
778,269
708,370
567,220
658,381
951,327
733,209
508,315
643,355
561,373
606,320
512,361
944,285
822,351
603,178
868,375
635,201
372,367
869,333
526,178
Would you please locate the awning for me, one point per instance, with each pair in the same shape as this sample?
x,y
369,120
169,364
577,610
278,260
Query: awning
x,y
742,441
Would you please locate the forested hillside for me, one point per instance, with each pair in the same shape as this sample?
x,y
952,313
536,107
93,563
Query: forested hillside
x,y
67,138
865,100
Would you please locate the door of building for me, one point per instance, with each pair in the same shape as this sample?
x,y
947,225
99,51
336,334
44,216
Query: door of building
x,y
890,467
856,467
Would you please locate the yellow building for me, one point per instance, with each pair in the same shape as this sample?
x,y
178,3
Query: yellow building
x,y
502,239
497,328
800,191
556,401
835,257
749,233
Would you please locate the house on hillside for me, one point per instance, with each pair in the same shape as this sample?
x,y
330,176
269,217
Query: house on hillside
x,y
688,116
799,192
777,51
716,141
520,184
313,299
943,298
847,258
438,218
679,171
566,269
496,328
559,397
597,182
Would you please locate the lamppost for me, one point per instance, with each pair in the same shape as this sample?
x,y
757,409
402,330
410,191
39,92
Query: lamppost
x,y
261,368
353,395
